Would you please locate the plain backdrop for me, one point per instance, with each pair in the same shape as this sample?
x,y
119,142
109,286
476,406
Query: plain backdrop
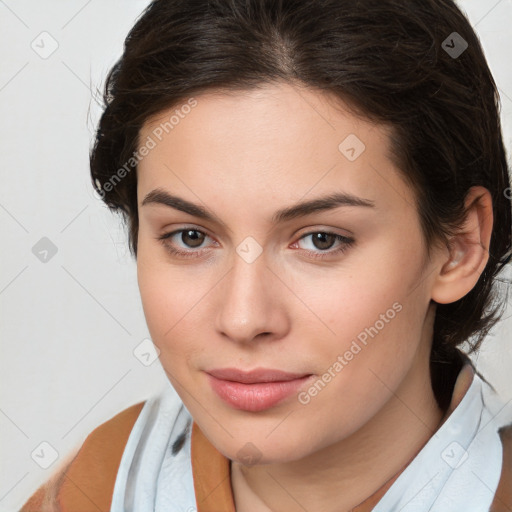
x,y
70,324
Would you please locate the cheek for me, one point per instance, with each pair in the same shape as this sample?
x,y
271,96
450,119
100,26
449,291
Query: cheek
x,y
155,297
374,320
164,300
172,298
362,367
166,320
346,302
375,328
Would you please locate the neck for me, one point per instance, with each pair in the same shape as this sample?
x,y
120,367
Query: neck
x,y
356,471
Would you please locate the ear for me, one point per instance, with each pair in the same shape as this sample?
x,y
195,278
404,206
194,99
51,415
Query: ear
x,y
468,250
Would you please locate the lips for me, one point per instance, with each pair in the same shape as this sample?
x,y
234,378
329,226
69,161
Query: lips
x,y
257,389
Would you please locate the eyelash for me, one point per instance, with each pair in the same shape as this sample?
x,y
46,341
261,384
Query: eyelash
x,y
346,243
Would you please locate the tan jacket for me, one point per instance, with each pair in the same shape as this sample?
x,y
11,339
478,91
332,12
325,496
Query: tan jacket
x,y
86,483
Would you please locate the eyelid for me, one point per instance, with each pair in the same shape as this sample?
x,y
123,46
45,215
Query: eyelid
x,y
319,228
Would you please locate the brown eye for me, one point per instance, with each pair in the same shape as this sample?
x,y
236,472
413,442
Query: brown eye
x,y
323,240
193,236
182,242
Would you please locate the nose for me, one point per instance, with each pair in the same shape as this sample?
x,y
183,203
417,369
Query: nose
x,y
251,302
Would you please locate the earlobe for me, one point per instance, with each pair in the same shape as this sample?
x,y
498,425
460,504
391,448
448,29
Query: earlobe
x,y
468,250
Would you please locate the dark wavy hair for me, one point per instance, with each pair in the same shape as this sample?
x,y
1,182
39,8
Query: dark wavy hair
x,y
392,61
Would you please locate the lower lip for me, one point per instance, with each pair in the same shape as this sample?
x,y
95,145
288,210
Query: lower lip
x,y
255,397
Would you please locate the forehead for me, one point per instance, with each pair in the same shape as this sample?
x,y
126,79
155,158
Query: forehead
x,y
278,139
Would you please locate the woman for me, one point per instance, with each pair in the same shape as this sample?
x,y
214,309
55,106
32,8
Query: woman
x,y
317,198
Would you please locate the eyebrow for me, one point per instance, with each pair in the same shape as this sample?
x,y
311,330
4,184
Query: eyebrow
x,y
329,202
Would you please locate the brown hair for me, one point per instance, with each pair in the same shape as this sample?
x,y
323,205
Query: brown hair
x,y
397,62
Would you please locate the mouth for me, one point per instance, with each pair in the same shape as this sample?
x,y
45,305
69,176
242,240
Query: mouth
x,y
256,376
257,389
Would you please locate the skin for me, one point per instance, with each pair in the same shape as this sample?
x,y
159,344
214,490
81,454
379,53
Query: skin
x,y
243,156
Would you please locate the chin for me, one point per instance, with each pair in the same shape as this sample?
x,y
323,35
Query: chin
x,y
257,450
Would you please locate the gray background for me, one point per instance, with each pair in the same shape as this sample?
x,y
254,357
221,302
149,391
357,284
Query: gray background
x,y
69,326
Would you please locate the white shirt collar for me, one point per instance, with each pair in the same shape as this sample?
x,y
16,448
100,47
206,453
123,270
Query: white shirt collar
x,y
459,468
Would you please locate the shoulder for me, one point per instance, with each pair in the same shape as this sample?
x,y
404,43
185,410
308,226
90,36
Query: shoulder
x,y
503,498
87,480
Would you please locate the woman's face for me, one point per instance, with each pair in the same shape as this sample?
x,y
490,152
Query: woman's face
x,y
338,296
